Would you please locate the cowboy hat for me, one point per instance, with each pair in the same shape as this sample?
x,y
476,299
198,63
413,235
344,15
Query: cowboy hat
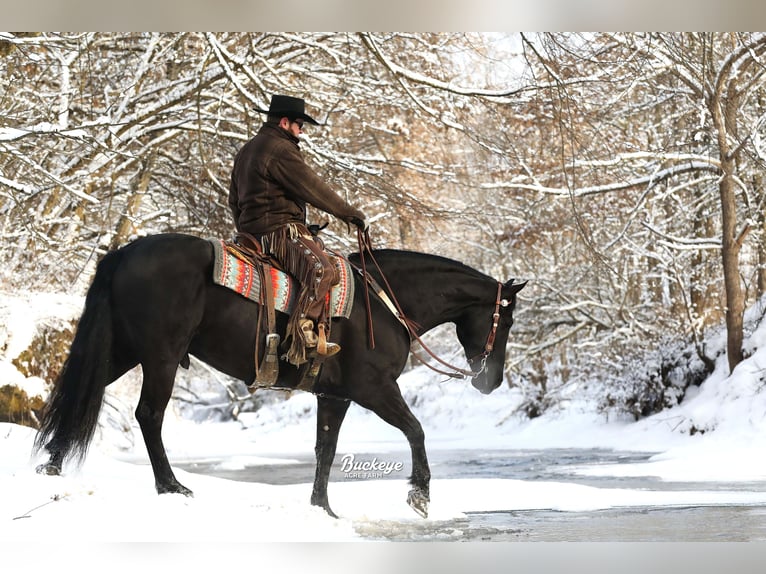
x,y
288,107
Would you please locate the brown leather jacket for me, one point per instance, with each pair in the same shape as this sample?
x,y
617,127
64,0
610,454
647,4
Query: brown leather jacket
x,y
271,185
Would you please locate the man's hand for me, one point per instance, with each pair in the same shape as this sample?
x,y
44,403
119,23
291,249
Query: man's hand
x,y
316,228
360,223
356,218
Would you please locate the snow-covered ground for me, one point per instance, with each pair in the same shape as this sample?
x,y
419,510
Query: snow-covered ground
x,y
112,497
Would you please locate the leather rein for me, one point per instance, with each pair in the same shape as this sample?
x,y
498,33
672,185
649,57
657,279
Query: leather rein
x,y
389,299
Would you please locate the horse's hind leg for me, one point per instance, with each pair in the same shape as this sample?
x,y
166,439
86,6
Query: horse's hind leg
x,y
54,465
150,412
330,415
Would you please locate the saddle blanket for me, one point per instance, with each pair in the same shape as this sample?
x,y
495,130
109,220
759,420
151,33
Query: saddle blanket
x,y
240,276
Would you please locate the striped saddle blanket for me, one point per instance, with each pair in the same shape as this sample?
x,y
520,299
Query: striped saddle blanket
x,y
231,271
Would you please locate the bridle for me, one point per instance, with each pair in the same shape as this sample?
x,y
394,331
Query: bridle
x,y
490,344
389,299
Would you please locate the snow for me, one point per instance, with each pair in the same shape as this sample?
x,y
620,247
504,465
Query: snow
x,y
111,498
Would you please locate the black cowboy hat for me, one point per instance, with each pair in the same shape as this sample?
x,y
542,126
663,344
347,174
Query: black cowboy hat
x,y
288,107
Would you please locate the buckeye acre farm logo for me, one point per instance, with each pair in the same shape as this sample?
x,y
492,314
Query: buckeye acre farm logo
x,y
370,468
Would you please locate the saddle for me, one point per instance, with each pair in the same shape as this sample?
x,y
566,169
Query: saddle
x,y
242,265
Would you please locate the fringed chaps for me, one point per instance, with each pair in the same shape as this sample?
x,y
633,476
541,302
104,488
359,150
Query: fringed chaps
x,y
302,255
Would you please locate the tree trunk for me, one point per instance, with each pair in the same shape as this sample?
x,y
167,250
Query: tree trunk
x,y
730,247
760,221
724,108
761,284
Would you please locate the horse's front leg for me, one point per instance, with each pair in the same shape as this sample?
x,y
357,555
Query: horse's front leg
x,y
420,495
394,410
330,415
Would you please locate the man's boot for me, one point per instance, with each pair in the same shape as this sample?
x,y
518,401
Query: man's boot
x,y
321,344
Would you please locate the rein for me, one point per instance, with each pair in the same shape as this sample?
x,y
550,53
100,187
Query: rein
x,y
389,299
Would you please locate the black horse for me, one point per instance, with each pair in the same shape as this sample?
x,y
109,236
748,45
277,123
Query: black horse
x,y
153,302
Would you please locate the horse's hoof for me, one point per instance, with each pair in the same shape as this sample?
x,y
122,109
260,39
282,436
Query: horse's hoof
x,y
186,492
418,501
325,506
175,489
329,511
49,469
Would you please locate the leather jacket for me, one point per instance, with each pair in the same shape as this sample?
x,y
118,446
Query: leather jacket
x,y
271,185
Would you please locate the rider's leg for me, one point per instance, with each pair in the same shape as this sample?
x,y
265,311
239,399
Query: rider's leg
x,y
324,276
303,257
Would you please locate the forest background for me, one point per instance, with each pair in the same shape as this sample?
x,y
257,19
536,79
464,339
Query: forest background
x,y
620,173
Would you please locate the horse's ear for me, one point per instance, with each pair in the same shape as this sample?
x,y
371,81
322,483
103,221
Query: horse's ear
x,y
514,287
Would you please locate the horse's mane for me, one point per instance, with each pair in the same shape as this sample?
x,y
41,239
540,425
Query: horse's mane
x,y
419,258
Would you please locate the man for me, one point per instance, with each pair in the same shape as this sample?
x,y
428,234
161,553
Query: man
x,y
270,187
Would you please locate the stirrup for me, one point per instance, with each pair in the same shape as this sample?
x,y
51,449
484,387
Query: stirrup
x,y
323,347
269,367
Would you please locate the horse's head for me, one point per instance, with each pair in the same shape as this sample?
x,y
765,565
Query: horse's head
x,y
477,334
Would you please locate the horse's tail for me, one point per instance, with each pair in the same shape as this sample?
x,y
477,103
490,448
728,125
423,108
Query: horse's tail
x,y
71,414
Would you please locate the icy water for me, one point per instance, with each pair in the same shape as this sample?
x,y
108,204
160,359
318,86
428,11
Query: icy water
x,y
630,524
